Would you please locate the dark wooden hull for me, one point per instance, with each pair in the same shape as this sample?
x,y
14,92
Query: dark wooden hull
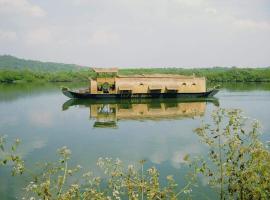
x,y
77,95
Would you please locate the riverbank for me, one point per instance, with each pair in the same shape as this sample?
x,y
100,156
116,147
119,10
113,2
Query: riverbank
x,y
217,74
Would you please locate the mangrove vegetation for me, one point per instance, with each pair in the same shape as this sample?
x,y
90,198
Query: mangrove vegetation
x,y
14,70
212,74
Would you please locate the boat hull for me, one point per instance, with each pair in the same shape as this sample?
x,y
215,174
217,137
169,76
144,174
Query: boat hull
x,y
77,95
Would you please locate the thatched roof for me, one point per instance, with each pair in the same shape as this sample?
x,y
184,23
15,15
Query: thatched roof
x,y
105,70
155,76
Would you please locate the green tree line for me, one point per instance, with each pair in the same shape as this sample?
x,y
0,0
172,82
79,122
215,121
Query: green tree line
x,y
217,74
16,76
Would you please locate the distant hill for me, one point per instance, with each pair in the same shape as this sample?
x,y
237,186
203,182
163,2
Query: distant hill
x,y
14,63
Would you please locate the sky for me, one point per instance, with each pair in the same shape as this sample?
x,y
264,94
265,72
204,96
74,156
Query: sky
x,y
138,33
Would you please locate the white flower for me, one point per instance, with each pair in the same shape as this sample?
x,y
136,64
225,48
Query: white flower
x,y
130,167
118,161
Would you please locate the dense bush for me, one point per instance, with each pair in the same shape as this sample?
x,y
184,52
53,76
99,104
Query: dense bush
x,y
212,74
217,74
13,76
238,162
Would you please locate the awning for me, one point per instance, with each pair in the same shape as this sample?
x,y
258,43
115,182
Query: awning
x,y
125,87
105,70
172,87
155,87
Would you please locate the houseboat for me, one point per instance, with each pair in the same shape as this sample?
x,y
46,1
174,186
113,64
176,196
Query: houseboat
x,y
109,84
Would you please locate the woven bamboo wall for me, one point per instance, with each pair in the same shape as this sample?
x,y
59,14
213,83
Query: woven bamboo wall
x,y
109,80
93,86
142,84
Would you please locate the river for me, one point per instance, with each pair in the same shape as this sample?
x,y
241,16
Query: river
x,y
161,132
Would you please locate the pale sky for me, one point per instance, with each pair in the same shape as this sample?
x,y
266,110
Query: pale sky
x,y
138,33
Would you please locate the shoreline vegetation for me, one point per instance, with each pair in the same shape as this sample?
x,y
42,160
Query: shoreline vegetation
x,y
16,70
216,74
236,167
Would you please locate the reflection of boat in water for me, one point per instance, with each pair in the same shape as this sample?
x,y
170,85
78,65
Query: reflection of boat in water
x,y
107,113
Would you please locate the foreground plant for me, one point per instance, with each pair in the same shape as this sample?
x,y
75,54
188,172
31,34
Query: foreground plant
x,y
9,156
59,181
239,163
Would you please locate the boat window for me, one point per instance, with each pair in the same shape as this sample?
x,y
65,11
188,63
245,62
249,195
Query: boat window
x,y
155,91
171,91
112,86
125,91
155,88
105,87
193,83
184,84
99,87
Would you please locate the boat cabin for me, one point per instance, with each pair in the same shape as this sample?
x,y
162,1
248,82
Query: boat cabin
x,y
108,81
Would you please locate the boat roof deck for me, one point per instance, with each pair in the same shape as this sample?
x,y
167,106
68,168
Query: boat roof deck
x,y
155,76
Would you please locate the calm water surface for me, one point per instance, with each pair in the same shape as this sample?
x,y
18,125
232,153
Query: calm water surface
x,y
158,131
